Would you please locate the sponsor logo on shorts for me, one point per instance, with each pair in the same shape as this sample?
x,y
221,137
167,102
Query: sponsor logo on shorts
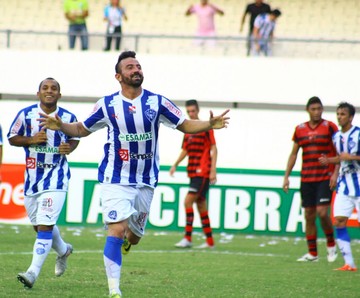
x,y
324,200
135,137
125,155
141,220
47,202
112,214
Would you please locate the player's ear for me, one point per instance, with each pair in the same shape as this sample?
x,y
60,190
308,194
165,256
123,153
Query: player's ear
x,y
118,77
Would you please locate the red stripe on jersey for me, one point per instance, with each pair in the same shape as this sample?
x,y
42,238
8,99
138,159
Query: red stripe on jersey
x,y
198,150
315,142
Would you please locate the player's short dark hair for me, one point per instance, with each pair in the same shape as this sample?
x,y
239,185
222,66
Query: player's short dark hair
x,y
52,79
124,55
312,101
276,12
192,102
348,106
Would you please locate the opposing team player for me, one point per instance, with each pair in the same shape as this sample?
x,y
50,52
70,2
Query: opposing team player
x,y
46,176
128,172
317,181
347,143
202,155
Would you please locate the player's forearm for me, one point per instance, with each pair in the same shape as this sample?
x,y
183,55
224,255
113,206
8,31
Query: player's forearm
x,y
181,157
290,165
22,141
194,126
74,129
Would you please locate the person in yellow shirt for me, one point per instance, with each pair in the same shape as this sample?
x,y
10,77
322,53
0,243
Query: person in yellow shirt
x,y
76,12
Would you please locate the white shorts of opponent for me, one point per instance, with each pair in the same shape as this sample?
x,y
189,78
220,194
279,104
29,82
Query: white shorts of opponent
x,y
344,206
121,202
44,208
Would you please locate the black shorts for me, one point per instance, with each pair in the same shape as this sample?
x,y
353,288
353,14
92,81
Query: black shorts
x,y
315,193
199,186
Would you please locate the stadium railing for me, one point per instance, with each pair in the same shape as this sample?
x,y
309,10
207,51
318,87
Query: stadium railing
x,y
185,44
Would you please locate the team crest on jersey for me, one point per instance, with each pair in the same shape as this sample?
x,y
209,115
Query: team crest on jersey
x,y
150,114
112,214
351,144
132,109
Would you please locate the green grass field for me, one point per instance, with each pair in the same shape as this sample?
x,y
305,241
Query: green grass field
x,y
240,266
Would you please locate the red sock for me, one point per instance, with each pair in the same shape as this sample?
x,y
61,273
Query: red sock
x,y
189,223
311,242
205,222
330,238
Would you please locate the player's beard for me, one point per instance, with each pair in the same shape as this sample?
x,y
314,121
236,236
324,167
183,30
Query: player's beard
x,y
136,83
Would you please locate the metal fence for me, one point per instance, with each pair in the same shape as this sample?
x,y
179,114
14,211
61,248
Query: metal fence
x,y
183,45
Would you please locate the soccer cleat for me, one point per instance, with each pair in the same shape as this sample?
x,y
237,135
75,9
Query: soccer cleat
x,y
204,246
346,267
125,248
183,243
27,278
308,258
115,295
331,254
61,262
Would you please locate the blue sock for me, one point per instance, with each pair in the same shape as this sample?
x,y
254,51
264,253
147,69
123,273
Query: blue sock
x,y
112,260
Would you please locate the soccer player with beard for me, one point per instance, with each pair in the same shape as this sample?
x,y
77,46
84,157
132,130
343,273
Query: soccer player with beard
x,y
317,181
47,176
128,171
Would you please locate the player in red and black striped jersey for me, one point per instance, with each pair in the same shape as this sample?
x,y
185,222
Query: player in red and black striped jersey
x,y
202,154
315,139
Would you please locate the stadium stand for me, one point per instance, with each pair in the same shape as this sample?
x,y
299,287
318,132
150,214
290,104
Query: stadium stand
x,y
301,19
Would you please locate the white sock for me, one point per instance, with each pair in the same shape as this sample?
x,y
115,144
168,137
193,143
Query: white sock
x,y
42,247
58,244
343,241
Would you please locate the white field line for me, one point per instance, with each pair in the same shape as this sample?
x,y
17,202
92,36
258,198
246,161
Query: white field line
x,y
238,253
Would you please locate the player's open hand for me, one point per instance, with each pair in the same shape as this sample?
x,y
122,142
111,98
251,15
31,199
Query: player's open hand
x,y
49,122
220,121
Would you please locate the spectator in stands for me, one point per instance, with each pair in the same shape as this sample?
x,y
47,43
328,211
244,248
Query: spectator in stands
x,y
113,14
201,151
76,12
46,177
254,9
263,32
206,23
314,137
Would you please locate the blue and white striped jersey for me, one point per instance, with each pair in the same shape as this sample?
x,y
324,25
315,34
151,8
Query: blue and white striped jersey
x,y
46,169
131,153
265,25
349,178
